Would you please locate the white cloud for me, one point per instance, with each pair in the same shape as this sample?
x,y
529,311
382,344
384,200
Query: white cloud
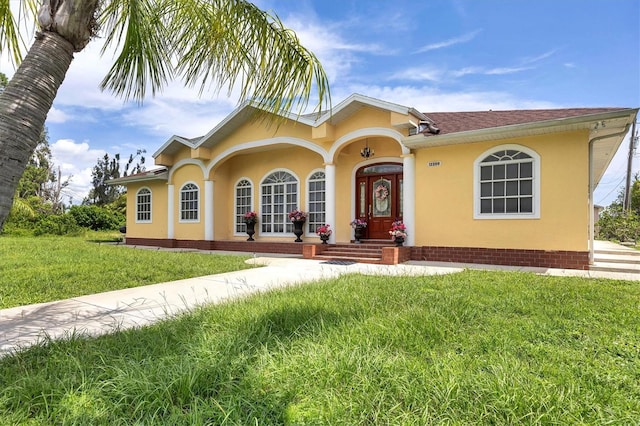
x,y
336,53
430,73
545,55
505,70
76,161
450,42
166,117
56,115
425,98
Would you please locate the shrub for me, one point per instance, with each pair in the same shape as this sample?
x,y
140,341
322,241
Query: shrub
x,y
63,224
97,218
617,224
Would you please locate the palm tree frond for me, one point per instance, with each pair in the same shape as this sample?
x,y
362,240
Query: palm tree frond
x,y
145,57
232,43
21,206
210,44
10,38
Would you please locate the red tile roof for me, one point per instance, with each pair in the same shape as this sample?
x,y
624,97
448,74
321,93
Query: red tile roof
x,y
454,122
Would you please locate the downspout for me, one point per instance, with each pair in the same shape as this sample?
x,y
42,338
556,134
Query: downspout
x,y
591,206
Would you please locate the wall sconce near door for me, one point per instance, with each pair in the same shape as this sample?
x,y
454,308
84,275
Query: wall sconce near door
x,y
367,152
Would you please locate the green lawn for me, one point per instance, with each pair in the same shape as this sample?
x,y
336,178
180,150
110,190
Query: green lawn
x,y
469,348
42,269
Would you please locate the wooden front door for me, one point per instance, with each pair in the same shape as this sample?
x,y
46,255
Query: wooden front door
x,y
379,198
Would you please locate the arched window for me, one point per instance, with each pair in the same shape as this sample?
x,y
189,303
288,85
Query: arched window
x,y
189,203
507,183
279,196
143,206
316,200
244,203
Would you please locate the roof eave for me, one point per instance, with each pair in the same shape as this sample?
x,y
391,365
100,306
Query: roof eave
x,y
583,122
148,176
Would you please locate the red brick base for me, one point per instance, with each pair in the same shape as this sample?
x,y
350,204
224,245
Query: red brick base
x,y
245,246
511,257
393,255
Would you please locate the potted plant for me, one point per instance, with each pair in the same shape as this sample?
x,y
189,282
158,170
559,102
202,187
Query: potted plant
x,y
358,226
250,219
324,232
298,217
398,232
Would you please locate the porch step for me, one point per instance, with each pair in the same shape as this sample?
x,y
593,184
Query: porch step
x,y
616,259
621,257
366,252
630,268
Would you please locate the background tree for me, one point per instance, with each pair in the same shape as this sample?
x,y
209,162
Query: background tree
x,y
617,224
106,169
226,43
41,178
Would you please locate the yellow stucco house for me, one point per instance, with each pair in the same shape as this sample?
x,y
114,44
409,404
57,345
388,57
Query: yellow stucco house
x,y
502,187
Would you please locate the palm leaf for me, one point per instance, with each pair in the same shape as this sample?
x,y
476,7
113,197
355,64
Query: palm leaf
x,y
22,207
215,44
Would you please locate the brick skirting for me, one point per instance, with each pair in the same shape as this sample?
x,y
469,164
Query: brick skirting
x,y
511,257
490,256
244,246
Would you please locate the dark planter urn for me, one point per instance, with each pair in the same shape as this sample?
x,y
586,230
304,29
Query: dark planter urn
x,y
399,241
251,229
297,230
358,233
324,238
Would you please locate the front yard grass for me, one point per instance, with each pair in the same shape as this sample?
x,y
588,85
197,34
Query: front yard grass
x,y
469,348
43,269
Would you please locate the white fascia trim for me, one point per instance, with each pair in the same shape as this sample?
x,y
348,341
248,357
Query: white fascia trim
x,y
366,100
266,142
175,138
362,133
186,161
148,176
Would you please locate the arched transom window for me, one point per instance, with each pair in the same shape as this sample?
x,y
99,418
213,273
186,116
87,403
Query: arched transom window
x,y
143,206
189,203
244,192
316,208
279,196
507,184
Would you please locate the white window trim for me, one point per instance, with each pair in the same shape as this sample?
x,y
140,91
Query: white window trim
x,y
308,233
536,185
150,205
180,220
278,234
235,203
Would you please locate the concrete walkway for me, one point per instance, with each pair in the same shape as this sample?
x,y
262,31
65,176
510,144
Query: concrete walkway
x,y
135,307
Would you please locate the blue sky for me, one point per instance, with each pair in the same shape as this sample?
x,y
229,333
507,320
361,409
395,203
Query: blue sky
x,y
439,55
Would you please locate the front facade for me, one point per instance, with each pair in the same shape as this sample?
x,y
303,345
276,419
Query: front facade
x,y
504,187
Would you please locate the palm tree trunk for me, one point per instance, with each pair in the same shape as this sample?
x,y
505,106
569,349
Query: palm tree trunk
x,y
24,105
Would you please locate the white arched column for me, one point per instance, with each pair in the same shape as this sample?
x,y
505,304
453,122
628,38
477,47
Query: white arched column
x,y
330,197
409,195
208,210
170,206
